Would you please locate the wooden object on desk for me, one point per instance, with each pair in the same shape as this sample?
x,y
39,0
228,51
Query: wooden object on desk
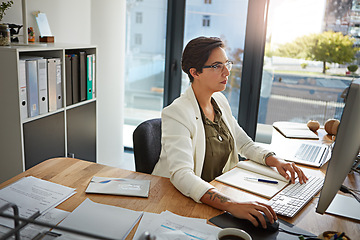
x,y
47,39
164,196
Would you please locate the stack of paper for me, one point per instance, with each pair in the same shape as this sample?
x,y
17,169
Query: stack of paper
x,y
31,231
168,225
32,194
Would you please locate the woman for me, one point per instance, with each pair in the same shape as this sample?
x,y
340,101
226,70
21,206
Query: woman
x,y
201,139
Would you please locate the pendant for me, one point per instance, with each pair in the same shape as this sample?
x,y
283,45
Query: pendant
x,y
220,138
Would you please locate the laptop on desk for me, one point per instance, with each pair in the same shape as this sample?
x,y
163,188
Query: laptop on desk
x,y
303,152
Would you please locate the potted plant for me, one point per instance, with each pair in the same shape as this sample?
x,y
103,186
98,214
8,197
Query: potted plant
x,y
4,28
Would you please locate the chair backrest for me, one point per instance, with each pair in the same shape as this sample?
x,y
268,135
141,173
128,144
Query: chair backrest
x,y
147,145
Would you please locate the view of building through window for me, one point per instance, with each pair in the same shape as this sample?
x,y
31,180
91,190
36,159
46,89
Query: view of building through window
x,y
298,84
145,62
304,77
227,20
145,51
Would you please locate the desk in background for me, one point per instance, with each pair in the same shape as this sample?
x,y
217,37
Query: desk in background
x,y
164,196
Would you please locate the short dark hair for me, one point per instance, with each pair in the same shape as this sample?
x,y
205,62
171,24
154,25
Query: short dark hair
x,y
197,52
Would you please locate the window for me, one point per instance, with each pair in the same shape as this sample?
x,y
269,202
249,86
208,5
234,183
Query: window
x,y
138,18
295,88
222,13
145,63
206,21
138,39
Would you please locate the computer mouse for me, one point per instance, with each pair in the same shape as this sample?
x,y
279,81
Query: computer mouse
x,y
270,227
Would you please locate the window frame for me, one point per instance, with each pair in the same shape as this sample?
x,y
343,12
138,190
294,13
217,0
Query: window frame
x,y
252,63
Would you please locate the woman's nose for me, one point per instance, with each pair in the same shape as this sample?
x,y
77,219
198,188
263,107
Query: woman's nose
x,y
226,71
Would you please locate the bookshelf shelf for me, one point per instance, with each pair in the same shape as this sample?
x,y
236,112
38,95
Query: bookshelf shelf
x,y
70,130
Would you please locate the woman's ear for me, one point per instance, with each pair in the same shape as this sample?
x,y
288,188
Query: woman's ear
x,y
193,72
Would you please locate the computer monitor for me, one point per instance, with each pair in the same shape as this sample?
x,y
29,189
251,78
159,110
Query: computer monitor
x,y
346,148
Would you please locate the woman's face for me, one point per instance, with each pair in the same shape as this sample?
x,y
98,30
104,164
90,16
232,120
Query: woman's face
x,y
215,74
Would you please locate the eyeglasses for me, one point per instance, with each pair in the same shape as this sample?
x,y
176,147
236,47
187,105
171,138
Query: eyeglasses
x,y
219,67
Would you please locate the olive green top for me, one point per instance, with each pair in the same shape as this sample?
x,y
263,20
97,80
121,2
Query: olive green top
x,y
219,144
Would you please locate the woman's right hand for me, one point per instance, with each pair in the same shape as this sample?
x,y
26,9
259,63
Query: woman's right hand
x,y
252,211
244,210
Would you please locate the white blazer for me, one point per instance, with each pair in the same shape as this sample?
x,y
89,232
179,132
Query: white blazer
x,y
183,144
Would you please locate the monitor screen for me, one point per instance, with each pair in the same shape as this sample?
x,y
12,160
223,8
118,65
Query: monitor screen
x,y
346,147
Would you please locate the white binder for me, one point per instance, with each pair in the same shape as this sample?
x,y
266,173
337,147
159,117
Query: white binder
x,y
42,84
51,84
54,84
59,94
32,88
22,90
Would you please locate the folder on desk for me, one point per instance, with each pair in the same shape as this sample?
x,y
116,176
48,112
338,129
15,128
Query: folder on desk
x,y
119,186
32,88
42,85
100,219
22,90
89,76
68,82
83,75
75,78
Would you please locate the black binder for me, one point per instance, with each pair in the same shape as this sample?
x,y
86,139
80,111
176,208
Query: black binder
x,y
83,79
75,78
68,74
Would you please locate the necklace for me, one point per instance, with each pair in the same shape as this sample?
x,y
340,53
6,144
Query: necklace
x,y
218,133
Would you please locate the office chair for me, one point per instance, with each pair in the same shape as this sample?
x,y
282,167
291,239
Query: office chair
x,y
147,145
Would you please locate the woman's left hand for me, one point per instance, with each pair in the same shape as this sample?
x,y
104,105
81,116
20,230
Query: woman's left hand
x,y
283,167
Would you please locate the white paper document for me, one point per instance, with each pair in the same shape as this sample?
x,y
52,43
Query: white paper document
x,y
53,217
32,194
100,219
170,226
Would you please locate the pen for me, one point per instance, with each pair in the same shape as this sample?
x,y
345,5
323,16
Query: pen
x,y
262,180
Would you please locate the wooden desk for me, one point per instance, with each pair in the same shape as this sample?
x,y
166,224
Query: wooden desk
x,y
163,195
77,174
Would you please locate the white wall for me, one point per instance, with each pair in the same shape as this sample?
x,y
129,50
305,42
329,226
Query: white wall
x,y
99,22
108,33
70,21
